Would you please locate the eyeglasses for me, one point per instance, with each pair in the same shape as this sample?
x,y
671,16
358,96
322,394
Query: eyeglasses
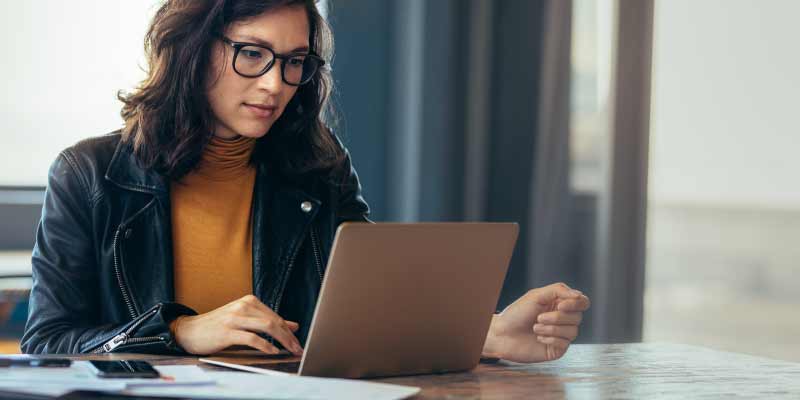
x,y
252,60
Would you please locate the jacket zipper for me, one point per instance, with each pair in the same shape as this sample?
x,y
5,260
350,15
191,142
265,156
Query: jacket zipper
x,y
288,274
317,259
122,287
124,337
291,265
117,262
277,304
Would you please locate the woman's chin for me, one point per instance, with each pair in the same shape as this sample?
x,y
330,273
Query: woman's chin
x,y
254,132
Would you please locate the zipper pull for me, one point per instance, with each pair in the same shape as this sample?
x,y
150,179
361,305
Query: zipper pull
x,y
115,342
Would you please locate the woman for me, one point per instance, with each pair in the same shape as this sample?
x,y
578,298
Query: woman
x,y
206,221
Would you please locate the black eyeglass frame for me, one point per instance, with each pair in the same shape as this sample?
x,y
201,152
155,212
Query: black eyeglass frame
x,y
237,47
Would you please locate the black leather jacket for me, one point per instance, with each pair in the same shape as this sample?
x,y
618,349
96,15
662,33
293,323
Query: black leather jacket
x,y
102,263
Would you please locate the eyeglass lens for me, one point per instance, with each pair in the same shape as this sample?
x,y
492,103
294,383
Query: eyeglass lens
x,y
254,61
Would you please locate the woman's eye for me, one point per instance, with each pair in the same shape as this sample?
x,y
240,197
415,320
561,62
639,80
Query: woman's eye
x,y
254,54
296,61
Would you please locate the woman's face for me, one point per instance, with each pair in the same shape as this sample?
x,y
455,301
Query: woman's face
x,y
249,106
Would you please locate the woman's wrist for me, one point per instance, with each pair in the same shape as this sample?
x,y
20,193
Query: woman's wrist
x,y
173,326
490,346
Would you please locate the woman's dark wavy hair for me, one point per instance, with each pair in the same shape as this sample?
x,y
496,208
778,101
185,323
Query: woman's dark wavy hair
x,y
168,120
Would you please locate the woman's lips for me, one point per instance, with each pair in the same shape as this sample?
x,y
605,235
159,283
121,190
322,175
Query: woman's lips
x,y
261,111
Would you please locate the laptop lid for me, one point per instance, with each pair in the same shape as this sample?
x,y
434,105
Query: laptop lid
x,y
402,299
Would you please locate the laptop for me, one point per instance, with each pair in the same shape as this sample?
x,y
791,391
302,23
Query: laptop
x,y
400,299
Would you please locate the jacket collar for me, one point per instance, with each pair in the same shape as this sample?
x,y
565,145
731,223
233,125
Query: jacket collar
x,y
124,171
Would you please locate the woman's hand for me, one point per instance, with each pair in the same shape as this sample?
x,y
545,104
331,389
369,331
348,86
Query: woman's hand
x,y
236,323
538,326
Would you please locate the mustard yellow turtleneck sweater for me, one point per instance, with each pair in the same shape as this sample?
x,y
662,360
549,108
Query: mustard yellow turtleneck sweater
x,y
212,226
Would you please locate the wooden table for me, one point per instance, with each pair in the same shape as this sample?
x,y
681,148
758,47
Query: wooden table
x,y
625,371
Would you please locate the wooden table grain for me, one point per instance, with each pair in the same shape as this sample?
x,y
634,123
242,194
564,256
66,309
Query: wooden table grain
x,y
613,371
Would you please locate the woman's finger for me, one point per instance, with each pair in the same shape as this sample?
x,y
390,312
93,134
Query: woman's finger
x,y
554,341
252,340
260,310
560,318
251,306
568,332
546,295
580,303
273,327
293,326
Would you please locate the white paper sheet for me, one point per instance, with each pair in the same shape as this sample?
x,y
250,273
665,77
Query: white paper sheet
x,y
192,381
242,385
58,389
57,381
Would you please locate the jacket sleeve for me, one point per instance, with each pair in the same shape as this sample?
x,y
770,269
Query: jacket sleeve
x,y
64,303
351,204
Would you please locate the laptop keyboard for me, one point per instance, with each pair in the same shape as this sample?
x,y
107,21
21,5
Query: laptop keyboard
x,y
288,366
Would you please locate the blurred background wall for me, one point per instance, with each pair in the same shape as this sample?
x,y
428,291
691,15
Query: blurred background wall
x,y
533,111
724,218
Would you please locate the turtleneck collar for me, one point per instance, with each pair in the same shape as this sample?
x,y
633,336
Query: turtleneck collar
x,y
225,159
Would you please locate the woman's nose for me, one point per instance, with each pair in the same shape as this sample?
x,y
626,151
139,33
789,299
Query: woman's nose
x,y
272,81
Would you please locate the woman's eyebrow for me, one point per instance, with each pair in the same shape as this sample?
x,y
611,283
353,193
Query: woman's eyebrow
x,y
253,39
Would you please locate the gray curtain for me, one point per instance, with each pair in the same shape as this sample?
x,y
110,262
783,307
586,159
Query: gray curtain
x,y
447,107
458,110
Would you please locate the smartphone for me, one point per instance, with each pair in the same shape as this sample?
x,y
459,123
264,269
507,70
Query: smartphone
x,y
123,369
